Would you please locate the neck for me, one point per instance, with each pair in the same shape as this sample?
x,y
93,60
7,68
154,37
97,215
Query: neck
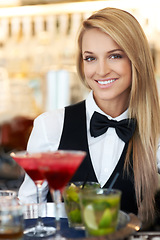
x,y
113,109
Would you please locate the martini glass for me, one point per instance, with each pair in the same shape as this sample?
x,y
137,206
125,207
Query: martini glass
x,y
58,168
28,163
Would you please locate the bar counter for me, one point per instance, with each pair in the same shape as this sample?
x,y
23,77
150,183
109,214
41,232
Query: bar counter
x,y
128,232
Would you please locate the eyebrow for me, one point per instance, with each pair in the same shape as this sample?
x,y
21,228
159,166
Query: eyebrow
x,y
114,50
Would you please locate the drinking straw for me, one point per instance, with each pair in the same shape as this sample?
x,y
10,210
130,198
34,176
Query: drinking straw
x,y
113,182
84,183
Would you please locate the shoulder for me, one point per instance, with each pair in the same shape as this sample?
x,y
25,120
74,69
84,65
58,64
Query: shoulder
x,y
50,123
46,131
52,117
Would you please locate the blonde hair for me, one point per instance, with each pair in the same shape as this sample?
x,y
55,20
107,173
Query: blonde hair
x,y
144,102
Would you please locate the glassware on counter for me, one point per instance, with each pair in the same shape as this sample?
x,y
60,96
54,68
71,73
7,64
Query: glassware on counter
x,y
72,203
11,216
29,164
100,209
58,168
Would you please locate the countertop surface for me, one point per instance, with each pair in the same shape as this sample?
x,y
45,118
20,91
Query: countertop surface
x,y
71,233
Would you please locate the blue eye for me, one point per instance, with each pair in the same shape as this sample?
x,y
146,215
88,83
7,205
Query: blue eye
x,y
116,56
89,59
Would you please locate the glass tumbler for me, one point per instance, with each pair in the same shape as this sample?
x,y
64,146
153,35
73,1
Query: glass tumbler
x,y
72,203
100,209
11,216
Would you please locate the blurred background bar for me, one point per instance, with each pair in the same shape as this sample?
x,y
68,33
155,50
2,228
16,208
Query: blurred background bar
x,y
37,64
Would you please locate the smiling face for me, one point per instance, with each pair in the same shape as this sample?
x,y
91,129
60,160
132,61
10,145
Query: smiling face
x,y
107,69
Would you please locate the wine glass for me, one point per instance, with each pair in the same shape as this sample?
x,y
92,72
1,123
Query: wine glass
x,y
28,163
58,168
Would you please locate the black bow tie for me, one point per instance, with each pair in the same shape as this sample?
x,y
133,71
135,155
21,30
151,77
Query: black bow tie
x,y
100,123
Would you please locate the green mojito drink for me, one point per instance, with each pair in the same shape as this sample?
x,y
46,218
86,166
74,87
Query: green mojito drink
x,y
72,204
100,209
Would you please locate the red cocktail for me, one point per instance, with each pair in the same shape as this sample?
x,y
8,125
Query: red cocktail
x,y
58,168
29,164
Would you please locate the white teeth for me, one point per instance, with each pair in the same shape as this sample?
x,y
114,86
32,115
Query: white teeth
x,y
106,82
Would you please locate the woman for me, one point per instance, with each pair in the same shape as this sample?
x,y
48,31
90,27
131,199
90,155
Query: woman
x,y
115,62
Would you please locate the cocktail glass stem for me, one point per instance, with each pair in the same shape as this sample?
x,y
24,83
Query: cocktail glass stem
x,y
39,230
57,200
30,163
40,223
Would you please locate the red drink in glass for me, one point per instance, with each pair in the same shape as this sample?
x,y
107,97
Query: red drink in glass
x,y
58,168
29,164
35,174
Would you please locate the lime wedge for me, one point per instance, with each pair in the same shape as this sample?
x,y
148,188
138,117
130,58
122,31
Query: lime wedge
x,y
75,216
72,193
89,217
101,232
113,201
106,219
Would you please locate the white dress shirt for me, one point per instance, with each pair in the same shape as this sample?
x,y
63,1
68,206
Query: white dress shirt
x,y
105,150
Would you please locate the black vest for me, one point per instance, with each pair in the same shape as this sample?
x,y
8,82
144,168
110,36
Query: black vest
x,y
74,137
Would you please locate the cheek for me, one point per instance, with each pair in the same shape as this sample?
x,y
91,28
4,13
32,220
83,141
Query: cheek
x,y
125,70
129,73
88,71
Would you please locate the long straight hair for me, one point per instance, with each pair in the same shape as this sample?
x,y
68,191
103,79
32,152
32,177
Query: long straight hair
x,y
126,31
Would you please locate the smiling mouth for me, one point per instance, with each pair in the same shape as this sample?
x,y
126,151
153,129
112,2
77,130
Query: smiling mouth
x,y
103,82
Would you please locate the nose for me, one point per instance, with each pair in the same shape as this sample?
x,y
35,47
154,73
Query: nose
x,y
102,68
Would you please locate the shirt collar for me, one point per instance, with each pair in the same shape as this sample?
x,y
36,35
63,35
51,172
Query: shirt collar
x,y
91,107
